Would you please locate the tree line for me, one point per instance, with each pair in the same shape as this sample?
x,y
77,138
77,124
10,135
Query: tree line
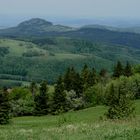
x,y
73,91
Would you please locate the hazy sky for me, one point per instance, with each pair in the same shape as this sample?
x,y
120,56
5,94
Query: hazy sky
x,y
72,8
14,11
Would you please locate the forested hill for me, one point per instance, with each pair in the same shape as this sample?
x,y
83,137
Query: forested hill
x,y
40,28
34,27
106,36
38,49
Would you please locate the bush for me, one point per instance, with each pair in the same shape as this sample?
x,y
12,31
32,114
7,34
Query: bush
x,y
22,107
120,99
135,85
21,102
95,95
19,93
73,102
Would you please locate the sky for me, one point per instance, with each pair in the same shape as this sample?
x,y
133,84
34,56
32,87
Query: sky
x,y
78,9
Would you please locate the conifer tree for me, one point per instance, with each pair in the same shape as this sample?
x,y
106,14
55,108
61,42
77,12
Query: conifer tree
x,y
4,107
78,85
59,99
72,78
67,79
118,70
41,100
73,81
85,75
128,70
92,80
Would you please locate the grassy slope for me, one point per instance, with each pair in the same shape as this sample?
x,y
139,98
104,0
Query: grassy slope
x,y
80,125
17,48
36,66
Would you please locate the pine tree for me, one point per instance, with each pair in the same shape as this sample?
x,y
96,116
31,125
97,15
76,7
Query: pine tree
x,y
67,79
59,99
128,70
85,75
4,107
41,100
72,78
92,78
118,70
73,81
78,85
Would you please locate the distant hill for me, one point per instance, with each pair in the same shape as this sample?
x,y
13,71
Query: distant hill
x,y
37,49
133,29
95,33
105,36
34,27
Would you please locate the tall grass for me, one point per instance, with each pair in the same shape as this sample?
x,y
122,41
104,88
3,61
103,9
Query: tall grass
x,y
81,125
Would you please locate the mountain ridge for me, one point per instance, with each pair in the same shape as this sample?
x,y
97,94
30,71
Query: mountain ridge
x,y
101,34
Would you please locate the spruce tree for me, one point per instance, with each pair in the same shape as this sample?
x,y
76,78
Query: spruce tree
x,y
41,100
72,78
93,77
67,79
4,107
78,85
59,99
118,70
85,75
128,70
73,81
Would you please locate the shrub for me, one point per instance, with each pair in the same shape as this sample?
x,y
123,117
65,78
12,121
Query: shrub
x,y
95,95
21,102
135,85
74,102
22,107
120,99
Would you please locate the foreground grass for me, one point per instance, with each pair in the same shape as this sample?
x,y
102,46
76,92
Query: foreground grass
x,y
81,125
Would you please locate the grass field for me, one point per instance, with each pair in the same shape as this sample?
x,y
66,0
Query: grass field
x,y
81,125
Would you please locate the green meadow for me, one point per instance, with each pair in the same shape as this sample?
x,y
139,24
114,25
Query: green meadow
x,y
87,124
